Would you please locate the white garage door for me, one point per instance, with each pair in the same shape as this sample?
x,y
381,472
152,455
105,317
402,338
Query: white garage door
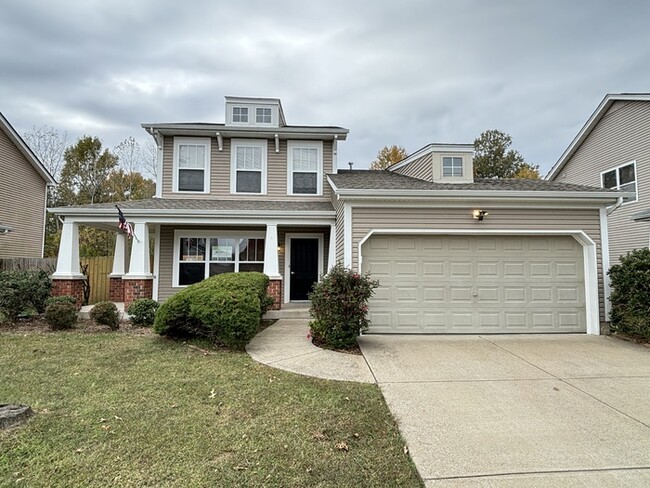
x,y
475,284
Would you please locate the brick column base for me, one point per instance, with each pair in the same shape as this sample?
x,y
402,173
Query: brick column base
x,y
72,287
115,289
274,290
136,288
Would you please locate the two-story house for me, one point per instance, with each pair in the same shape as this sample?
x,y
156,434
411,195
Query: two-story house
x,y
453,254
612,150
24,182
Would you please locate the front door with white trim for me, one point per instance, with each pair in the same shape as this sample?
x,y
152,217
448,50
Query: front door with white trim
x,y
303,267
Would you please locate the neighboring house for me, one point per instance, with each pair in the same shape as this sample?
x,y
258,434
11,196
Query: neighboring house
x,y
453,254
612,150
23,196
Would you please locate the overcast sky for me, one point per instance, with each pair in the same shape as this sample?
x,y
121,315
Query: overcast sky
x,y
393,72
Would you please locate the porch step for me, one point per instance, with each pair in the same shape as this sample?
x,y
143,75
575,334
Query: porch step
x,y
84,313
288,313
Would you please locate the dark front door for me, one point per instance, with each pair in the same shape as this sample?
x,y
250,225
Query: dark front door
x,y
303,267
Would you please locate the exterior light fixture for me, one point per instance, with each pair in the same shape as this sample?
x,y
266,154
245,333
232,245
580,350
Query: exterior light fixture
x,y
480,214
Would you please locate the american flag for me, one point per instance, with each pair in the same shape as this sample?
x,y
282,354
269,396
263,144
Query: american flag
x,y
124,226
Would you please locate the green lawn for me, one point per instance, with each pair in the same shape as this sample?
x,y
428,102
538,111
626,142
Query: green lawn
x,y
116,409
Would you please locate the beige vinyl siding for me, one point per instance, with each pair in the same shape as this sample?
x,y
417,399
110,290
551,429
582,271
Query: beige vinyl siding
x,y
340,227
368,218
22,203
220,173
622,136
165,273
421,168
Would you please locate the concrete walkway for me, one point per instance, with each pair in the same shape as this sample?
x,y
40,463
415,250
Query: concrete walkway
x,y
285,345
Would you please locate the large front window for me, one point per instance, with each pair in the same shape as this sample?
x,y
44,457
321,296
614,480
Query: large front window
x,y
201,257
191,164
248,167
622,178
305,167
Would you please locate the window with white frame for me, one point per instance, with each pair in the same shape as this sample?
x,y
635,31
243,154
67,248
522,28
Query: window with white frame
x,y
263,115
198,258
191,164
305,168
240,114
621,178
452,166
248,166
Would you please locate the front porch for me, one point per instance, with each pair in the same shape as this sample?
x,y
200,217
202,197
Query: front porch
x,y
292,254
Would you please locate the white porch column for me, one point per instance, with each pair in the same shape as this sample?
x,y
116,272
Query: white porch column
x,y
139,264
331,255
119,256
271,260
67,263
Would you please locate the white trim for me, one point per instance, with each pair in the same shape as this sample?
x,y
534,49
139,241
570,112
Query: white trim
x,y
318,145
592,305
159,140
347,235
604,250
260,143
618,183
430,148
271,255
206,234
593,120
156,263
331,254
335,152
197,141
287,257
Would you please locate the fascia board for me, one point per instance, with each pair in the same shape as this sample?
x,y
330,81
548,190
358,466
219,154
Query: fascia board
x,y
282,215
233,131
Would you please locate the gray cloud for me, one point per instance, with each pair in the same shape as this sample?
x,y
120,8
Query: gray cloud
x,y
408,73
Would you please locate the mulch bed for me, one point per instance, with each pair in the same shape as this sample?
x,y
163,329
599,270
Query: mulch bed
x,y
356,350
37,325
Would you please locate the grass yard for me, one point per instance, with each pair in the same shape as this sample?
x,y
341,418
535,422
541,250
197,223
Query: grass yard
x,y
118,409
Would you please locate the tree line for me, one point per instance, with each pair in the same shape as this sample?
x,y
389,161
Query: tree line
x,y
493,157
89,173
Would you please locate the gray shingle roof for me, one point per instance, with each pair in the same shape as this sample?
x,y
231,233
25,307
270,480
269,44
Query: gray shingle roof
x,y
388,180
213,204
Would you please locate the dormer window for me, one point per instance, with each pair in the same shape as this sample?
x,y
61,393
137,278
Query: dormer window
x,y
452,167
240,114
263,115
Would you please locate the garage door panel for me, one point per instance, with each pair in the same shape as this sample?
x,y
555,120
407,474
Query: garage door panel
x,y
476,284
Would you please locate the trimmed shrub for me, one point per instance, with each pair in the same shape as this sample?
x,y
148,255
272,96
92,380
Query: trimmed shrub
x,y
62,299
105,313
225,308
339,306
143,312
23,291
630,296
61,315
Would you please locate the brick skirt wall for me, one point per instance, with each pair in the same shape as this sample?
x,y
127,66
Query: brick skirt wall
x,y
134,289
274,289
116,289
73,288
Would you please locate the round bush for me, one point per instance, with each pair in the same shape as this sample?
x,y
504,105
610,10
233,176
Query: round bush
x,y
143,312
105,313
61,315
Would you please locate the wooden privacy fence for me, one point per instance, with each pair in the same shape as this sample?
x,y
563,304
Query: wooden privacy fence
x,y
98,269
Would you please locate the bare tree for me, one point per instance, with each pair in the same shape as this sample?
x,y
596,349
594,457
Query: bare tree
x,y
49,145
150,159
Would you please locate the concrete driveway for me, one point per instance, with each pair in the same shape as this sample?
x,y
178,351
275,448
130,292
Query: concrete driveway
x,y
519,411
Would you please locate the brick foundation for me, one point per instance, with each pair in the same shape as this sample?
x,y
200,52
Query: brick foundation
x,y
275,290
116,289
73,288
138,288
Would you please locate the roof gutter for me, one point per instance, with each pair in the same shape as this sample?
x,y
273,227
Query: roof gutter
x,y
189,213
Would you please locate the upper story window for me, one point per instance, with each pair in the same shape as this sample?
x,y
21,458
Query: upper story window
x,y
452,166
191,165
263,115
240,114
621,178
248,166
305,168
